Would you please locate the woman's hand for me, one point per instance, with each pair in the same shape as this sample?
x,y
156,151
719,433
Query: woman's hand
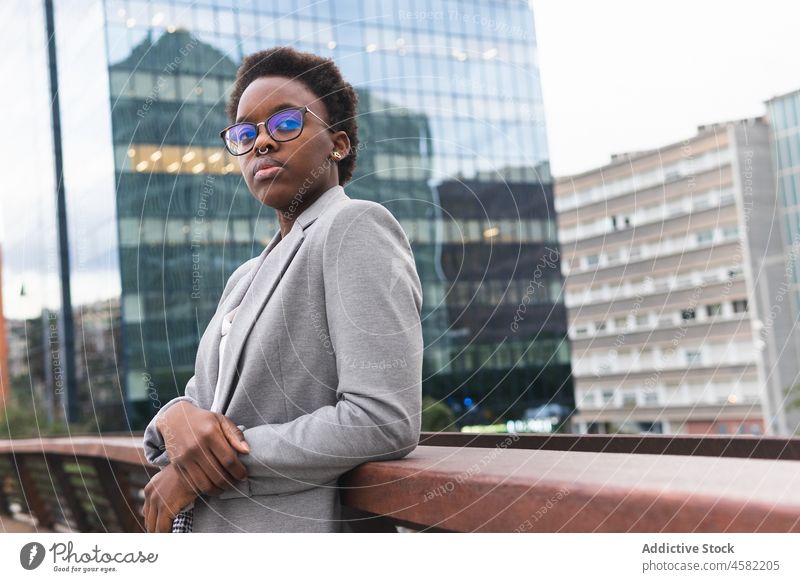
x,y
164,496
203,446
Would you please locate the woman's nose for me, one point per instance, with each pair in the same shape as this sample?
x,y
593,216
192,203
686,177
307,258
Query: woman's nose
x,y
264,139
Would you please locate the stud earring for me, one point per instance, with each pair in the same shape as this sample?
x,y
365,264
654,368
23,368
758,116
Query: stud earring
x,y
337,155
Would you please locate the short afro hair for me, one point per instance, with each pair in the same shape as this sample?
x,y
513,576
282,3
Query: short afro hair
x,y
319,74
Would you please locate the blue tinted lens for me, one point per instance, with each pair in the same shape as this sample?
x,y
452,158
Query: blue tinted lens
x,y
241,137
286,124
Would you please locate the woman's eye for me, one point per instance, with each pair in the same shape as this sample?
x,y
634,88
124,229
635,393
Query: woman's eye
x,y
288,125
243,136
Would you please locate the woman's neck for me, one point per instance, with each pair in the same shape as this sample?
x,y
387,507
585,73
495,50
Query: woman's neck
x,y
296,207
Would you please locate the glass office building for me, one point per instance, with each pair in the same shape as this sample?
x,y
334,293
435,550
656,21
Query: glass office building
x,y
454,145
784,117
783,112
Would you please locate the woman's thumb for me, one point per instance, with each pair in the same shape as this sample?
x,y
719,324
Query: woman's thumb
x,y
234,435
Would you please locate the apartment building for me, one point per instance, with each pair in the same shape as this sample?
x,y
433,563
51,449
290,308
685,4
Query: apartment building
x,y
675,277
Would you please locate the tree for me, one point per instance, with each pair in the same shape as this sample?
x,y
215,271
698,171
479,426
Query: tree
x,y
436,415
24,416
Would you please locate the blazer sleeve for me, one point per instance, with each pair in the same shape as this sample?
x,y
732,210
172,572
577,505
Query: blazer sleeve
x,y
373,299
155,448
154,444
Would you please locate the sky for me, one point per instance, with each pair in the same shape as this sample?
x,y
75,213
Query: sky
x,y
621,76
617,76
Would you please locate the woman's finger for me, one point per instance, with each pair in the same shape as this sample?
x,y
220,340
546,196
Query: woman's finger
x,y
164,522
198,478
150,517
228,460
210,464
214,478
145,512
234,434
202,469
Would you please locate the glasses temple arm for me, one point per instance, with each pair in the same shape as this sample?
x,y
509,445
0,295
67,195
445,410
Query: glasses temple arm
x,y
322,120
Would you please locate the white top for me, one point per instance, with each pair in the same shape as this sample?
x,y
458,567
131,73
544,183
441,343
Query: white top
x,y
226,326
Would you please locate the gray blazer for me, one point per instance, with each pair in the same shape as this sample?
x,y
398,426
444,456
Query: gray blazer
x,y
323,366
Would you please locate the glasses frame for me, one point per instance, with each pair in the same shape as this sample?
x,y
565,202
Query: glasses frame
x,y
303,108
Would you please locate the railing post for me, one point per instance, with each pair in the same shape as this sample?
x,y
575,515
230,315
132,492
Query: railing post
x,y
56,465
5,508
115,486
30,492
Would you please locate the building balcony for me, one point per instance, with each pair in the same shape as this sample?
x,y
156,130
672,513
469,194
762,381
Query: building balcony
x,y
716,254
676,413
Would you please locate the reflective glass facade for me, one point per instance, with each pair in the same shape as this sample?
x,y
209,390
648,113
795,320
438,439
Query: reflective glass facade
x,y
784,117
453,143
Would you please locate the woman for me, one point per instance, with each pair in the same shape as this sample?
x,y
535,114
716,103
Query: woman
x,y
319,368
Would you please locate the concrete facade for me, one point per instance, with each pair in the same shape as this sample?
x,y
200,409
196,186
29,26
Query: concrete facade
x,y
675,283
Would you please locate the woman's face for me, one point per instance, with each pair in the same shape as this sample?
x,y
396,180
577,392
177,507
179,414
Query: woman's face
x,y
304,165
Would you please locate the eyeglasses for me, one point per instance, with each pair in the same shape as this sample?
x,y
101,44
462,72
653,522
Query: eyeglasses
x,y
283,125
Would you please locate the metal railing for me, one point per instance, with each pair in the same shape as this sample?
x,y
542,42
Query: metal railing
x,y
461,482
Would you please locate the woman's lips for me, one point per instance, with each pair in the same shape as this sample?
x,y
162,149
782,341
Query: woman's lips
x,y
268,172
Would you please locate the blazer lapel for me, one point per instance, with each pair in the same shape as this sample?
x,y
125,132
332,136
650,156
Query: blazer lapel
x,y
234,298
243,284
325,201
267,274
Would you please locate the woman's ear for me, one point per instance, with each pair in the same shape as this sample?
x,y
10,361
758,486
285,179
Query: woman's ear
x,y
341,144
